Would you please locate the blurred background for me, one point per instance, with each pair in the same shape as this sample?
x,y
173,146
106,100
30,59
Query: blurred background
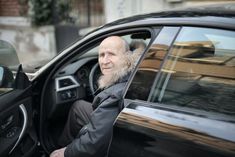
x,y
40,29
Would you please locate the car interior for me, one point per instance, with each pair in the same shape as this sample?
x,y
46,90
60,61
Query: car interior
x,y
76,79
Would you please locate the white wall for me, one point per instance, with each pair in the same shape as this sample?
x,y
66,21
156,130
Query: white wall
x,y
123,8
32,44
116,9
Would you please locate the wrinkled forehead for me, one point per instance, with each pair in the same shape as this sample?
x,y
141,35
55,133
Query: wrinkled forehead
x,y
112,44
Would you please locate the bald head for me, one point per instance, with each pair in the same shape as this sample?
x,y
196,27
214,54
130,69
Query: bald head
x,y
116,42
111,53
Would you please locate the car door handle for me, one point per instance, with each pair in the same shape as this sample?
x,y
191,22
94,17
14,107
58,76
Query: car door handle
x,y
7,122
25,121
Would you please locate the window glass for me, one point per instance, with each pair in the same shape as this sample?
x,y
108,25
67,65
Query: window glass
x,y
147,70
199,72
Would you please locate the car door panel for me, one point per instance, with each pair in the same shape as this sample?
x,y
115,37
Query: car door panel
x,y
8,99
16,120
155,131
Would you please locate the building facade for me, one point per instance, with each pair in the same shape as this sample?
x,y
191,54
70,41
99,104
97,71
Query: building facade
x,y
42,43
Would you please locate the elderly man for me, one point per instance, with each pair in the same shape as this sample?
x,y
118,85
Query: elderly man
x,y
89,127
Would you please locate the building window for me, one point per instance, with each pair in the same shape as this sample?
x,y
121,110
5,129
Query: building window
x,y
88,12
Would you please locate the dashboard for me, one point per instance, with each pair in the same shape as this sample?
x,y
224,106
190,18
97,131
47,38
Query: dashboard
x,y
77,80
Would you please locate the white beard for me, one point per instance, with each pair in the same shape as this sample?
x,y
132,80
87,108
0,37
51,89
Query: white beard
x,y
128,64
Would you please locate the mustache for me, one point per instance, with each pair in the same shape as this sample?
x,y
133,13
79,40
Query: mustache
x,y
106,66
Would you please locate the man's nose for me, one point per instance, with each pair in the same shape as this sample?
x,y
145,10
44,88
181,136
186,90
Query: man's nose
x,y
106,59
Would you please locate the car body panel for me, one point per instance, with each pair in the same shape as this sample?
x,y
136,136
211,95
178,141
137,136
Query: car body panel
x,y
165,131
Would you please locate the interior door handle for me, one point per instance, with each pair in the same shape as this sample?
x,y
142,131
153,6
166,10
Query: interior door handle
x,y
7,122
25,121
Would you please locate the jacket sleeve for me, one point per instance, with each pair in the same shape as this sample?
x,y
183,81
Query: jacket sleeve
x,y
95,141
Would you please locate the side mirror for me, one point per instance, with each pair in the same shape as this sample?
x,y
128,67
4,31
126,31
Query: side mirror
x,y
8,55
6,78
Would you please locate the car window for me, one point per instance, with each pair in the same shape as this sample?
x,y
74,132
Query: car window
x,y
149,67
199,71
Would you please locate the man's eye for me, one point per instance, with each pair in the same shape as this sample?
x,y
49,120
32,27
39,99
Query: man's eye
x,y
111,54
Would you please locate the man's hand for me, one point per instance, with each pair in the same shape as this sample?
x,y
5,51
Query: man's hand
x,y
58,152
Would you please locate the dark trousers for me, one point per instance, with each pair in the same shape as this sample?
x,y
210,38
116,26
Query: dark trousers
x,y
79,115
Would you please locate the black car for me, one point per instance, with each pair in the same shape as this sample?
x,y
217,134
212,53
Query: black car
x,y
179,100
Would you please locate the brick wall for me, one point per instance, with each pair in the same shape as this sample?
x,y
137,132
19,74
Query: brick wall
x,y
13,7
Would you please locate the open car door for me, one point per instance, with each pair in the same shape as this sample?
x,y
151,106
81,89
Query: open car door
x,y
17,133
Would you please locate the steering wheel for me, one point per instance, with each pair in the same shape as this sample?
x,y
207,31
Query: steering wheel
x,y
93,78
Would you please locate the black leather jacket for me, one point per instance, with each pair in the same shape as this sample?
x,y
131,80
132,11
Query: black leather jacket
x,y
96,135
